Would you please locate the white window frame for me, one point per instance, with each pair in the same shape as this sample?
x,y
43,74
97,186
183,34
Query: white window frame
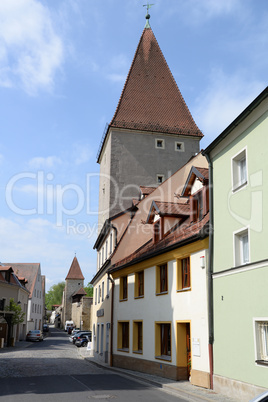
x,y
163,178
238,246
261,340
162,142
237,182
182,149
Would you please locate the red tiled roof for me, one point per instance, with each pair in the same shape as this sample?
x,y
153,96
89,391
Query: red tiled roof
x,y
151,99
172,208
147,190
81,291
181,233
5,268
75,271
29,271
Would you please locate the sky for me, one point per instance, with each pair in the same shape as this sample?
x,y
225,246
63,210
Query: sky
x,y
63,65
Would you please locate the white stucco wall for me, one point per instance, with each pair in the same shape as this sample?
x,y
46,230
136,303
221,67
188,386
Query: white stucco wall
x,y
172,307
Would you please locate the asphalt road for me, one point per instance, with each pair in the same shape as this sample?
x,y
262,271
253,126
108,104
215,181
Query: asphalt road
x,y
52,370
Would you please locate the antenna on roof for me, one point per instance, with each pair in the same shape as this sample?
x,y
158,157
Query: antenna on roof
x,y
147,25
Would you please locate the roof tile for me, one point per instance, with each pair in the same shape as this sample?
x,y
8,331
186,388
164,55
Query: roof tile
x,y
151,99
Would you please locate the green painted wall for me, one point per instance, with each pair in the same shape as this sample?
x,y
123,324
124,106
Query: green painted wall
x,y
244,297
233,211
244,294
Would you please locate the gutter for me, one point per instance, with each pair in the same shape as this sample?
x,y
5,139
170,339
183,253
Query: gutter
x,y
112,321
210,270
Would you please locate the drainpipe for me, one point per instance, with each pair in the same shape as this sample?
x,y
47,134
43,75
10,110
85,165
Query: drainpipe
x,y
210,271
112,320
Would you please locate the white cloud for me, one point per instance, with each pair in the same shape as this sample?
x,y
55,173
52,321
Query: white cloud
x,y
30,50
48,162
225,98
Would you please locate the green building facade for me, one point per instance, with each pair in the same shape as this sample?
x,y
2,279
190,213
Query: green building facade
x,y
239,253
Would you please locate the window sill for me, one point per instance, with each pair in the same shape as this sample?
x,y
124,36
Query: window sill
x,y
163,357
262,362
139,297
239,186
161,293
123,350
184,290
138,352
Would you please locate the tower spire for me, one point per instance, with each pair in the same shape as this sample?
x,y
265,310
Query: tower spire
x,y
147,25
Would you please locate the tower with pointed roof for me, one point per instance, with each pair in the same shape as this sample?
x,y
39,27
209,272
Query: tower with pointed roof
x,y
151,135
74,283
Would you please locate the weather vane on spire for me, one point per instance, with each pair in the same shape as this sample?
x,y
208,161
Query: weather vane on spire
x,y
148,15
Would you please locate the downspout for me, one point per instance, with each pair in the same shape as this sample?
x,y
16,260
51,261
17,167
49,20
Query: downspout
x,y
210,271
112,320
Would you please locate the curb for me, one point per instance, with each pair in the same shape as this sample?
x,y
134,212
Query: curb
x,y
189,396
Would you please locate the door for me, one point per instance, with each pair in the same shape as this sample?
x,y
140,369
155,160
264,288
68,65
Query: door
x,y
183,350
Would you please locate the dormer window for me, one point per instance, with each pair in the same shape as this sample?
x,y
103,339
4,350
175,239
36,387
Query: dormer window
x,y
196,203
157,229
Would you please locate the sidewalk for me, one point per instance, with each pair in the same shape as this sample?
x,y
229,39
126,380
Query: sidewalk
x,y
183,389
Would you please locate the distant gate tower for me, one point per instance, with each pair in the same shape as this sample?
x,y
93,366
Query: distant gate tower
x,y
151,135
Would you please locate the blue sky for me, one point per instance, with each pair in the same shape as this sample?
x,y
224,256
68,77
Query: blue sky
x,y
63,65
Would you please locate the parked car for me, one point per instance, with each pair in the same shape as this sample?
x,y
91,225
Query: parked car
x,y
82,340
72,336
79,334
34,335
75,330
45,328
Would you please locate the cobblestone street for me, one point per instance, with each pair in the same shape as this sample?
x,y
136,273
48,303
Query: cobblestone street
x,y
54,356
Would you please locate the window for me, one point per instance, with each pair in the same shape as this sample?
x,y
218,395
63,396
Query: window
x,y
2,304
139,284
123,336
196,206
163,341
102,291
179,146
241,247
108,287
161,279
137,337
99,298
261,341
157,231
160,178
239,170
111,243
159,143
123,288
183,274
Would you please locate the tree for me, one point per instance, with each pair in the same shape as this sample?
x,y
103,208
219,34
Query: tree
x,y
89,290
54,295
18,316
